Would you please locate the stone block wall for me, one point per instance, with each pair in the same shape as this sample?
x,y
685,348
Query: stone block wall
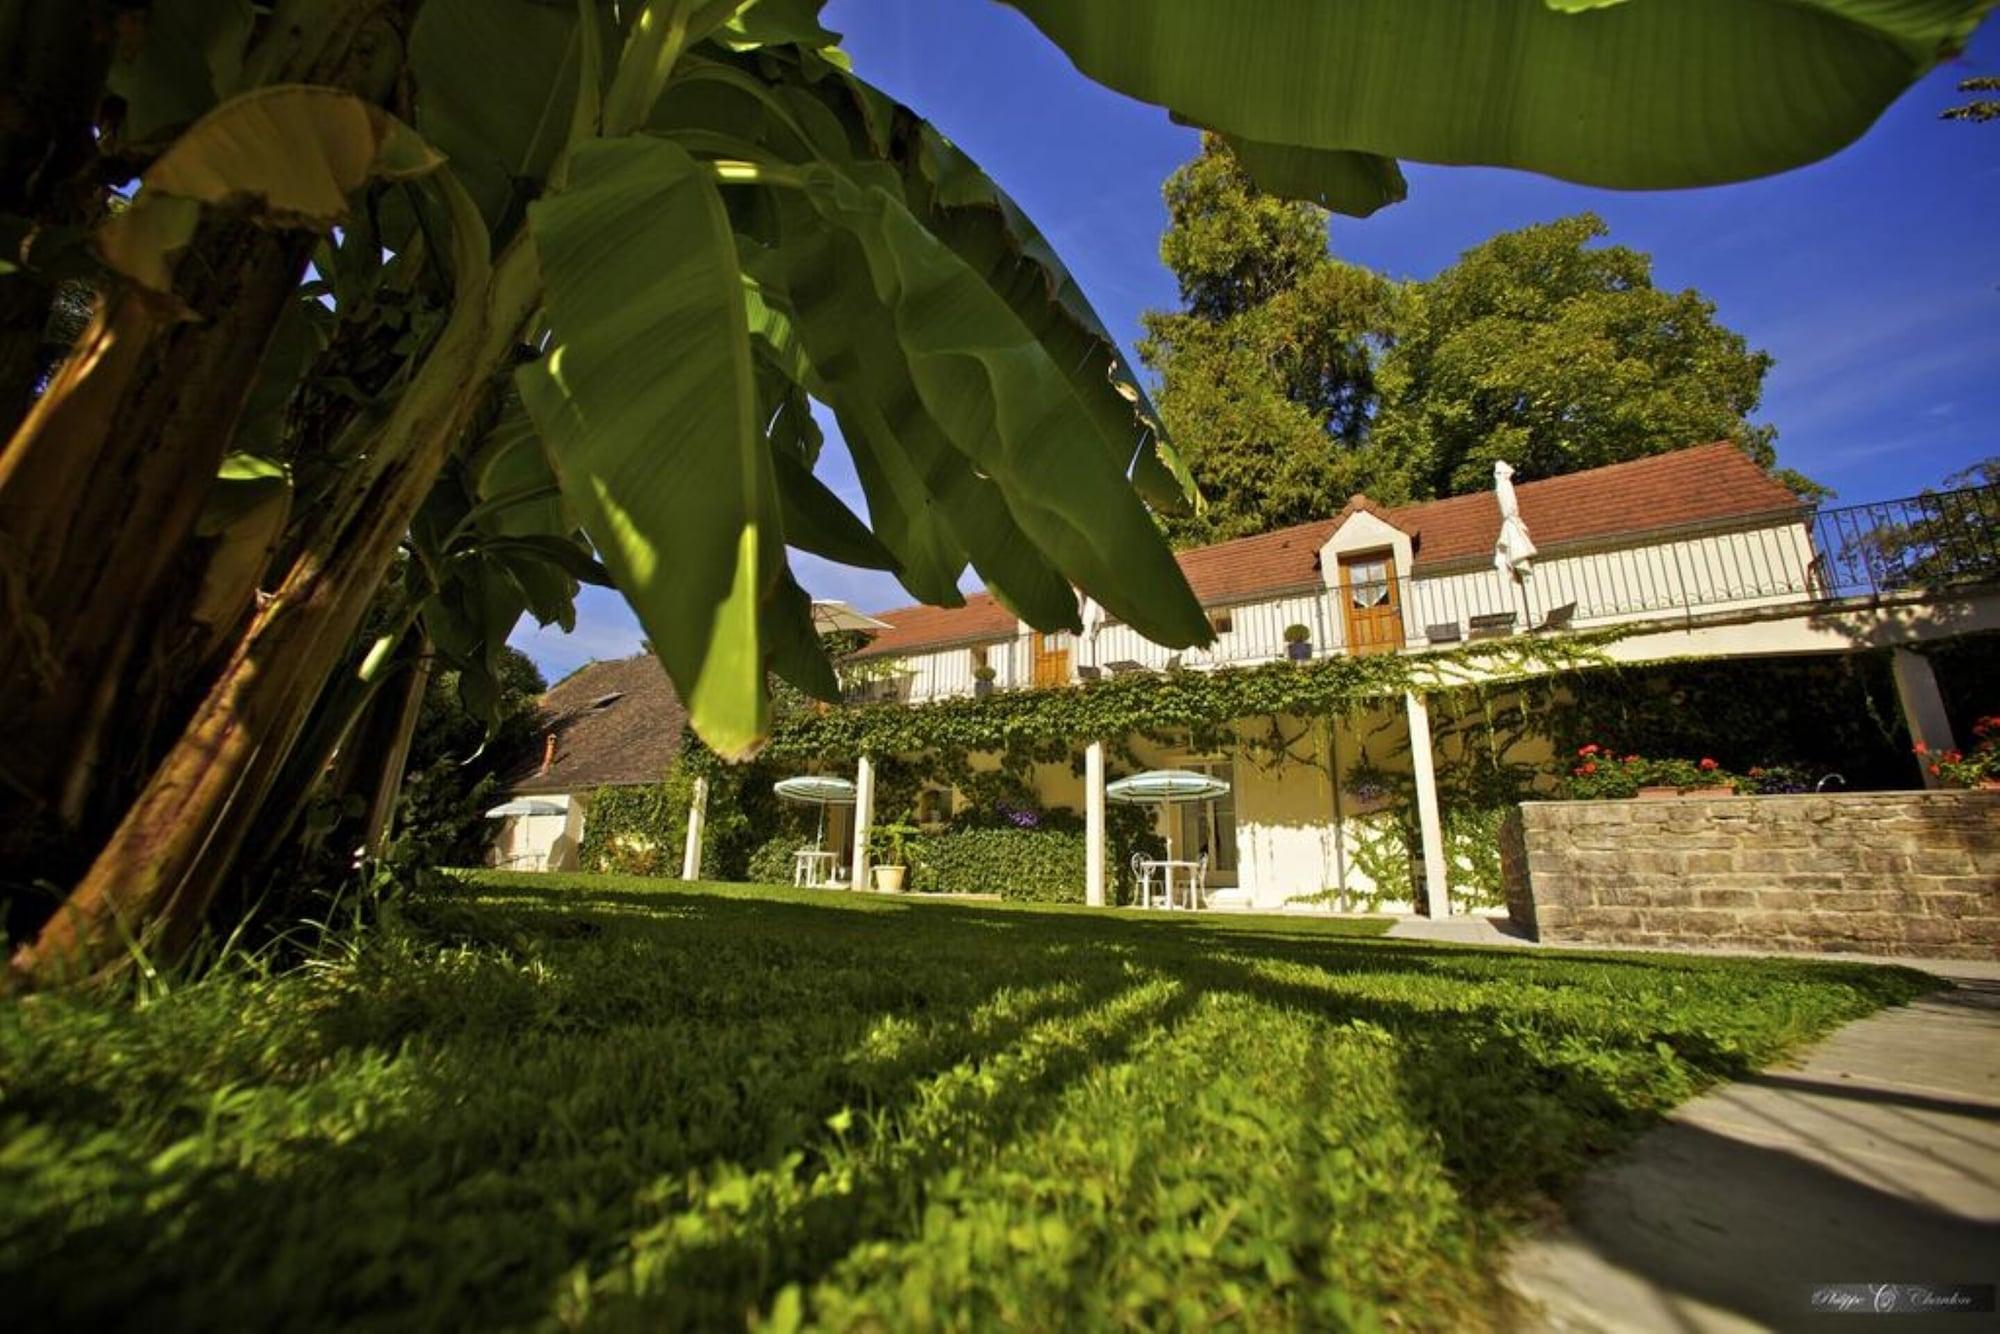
x,y
1906,873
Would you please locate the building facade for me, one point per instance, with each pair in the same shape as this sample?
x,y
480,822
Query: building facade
x,y
1692,554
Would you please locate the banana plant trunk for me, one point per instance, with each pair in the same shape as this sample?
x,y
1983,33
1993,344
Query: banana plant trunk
x,y
151,883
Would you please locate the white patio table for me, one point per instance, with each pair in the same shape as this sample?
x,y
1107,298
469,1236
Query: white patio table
x,y
1167,868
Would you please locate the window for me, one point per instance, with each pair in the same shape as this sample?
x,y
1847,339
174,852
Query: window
x,y
1368,583
1222,622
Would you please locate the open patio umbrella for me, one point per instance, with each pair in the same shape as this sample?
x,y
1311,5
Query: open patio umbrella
x,y
830,615
1514,550
1166,787
526,806
821,792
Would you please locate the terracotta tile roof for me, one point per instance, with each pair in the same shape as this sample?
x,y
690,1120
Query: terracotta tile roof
x,y
1704,484
981,619
616,724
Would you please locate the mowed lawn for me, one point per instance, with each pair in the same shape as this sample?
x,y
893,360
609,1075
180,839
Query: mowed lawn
x,y
622,1103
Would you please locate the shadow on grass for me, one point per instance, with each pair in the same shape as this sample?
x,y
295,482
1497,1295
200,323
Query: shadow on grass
x,y
691,1099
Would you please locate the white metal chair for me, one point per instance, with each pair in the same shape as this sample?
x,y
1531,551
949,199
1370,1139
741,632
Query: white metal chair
x,y
1198,887
1142,877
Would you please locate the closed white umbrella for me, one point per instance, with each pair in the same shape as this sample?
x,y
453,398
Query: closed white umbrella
x,y
1515,550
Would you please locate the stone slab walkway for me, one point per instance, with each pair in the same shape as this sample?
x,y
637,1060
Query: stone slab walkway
x,y
1873,1158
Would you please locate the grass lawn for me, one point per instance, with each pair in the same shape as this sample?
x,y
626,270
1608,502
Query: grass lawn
x,y
627,1103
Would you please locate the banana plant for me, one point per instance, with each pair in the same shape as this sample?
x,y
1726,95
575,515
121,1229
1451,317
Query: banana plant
x,y
589,263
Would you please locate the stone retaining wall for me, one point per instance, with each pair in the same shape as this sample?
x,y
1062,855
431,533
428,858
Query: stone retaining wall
x,y
1911,873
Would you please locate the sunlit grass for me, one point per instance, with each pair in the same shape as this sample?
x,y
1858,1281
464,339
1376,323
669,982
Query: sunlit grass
x,y
621,1102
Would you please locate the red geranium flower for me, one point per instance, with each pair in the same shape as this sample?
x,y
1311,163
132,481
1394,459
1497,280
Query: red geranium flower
x,y
1921,749
1588,767
1591,749
1707,764
1630,759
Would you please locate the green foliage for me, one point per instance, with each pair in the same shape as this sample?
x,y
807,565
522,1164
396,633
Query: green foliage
x,y
1381,850
1819,716
1979,108
1267,375
642,830
1472,852
772,861
1970,768
607,1102
1600,773
1027,865
456,763
637,830
1049,724
1556,355
1330,92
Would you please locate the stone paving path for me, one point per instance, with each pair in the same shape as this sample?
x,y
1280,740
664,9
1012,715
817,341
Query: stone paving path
x,y
1875,1157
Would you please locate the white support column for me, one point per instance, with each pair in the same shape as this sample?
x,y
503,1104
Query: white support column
x,y
1437,895
697,817
1093,824
1923,705
864,818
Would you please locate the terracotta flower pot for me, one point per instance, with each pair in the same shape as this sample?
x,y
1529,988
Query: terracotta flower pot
x,y
1661,792
1658,792
1989,785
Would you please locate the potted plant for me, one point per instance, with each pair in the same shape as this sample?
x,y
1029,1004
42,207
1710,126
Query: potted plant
x,y
982,679
889,846
1368,786
1298,643
1599,774
1979,769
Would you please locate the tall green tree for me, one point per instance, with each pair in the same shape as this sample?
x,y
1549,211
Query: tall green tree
x,y
1267,371
1555,354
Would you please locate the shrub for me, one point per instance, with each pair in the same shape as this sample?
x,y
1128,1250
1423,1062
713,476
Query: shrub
x,y
771,862
1963,770
1600,773
1031,865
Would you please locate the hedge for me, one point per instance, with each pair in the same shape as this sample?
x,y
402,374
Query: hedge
x,y
1032,865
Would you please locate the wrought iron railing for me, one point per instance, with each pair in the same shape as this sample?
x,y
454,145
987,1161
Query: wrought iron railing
x,y
1940,539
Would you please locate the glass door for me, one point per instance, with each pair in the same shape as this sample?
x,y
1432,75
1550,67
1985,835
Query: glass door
x,y
1210,826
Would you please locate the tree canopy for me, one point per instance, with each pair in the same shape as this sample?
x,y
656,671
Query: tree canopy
x,y
1290,379
1267,374
1557,355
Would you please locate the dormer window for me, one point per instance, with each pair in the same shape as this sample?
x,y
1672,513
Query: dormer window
x,y
604,701
1222,622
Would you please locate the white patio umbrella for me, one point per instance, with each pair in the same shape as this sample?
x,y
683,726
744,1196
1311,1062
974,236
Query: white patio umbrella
x,y
830,615
1514,551
526,806
1166,787
821,792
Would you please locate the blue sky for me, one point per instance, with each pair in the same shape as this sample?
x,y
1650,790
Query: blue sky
x,y
1873,277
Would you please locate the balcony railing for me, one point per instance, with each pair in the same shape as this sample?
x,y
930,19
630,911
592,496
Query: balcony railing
x,y
1936,541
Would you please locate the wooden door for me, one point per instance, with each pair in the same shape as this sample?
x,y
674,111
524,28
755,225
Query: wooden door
x,y
1368,598
1049,659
